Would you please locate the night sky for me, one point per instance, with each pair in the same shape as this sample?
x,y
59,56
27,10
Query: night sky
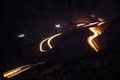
x,y
21,16
37,19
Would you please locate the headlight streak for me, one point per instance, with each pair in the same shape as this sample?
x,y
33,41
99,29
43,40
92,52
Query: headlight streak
x,y
41,45
51,38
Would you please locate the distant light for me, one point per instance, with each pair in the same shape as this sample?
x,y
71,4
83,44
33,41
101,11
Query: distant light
x,y
57,26
92,15
21,35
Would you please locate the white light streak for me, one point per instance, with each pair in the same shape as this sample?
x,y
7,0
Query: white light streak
x,y
87,25
91,24
82,24
41,45
51,38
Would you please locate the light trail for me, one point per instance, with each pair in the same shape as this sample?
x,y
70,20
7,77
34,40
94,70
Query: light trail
x,y
48,42
91,24
87,25
96,31
39,63
101,21
51,38
41,45
16,71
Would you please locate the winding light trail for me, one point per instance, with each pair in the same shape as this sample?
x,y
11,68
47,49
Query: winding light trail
x,y
41,45
51,38
96,32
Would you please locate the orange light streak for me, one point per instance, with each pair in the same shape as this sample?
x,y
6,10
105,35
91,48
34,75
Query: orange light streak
x,y
16,71
96,32
39,63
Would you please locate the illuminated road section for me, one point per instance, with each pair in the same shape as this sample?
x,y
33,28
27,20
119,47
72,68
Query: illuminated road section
x,y
51,38
41,45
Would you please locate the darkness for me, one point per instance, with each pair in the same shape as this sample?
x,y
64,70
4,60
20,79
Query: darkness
x,y
37,19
